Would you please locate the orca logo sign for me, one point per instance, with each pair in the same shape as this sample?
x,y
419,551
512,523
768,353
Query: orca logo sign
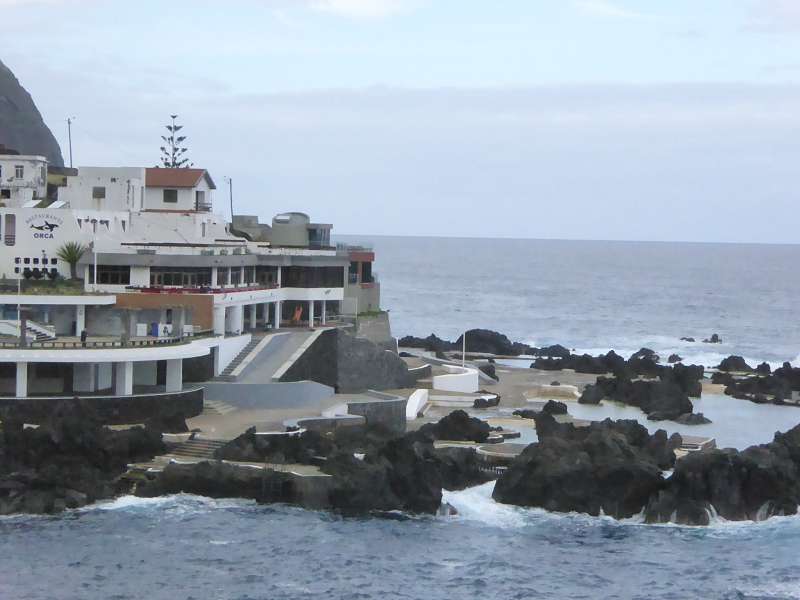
x,y
44,225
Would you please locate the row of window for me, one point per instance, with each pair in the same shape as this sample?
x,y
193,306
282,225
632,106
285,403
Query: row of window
x,y
35,260
186,277
201,276
111,274
36,272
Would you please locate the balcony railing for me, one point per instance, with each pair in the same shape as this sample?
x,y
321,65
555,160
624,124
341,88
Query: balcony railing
x,y
107,344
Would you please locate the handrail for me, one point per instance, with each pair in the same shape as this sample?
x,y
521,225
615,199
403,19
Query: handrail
x,y
95,344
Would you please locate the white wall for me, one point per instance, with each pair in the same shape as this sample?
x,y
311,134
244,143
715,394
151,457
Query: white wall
x,y
416,402
458,379
229,348
122,185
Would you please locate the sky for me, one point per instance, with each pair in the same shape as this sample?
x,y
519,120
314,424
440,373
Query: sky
x,y
669,120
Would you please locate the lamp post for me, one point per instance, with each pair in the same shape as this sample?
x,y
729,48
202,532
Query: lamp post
x,y
230,194
69,137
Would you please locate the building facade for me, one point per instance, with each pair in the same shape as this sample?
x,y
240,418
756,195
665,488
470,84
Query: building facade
x,y
154,279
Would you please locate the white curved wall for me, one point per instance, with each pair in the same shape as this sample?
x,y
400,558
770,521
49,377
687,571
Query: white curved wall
x,y
416,402
458,379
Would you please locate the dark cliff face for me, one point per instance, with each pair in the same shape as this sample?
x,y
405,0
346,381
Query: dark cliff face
x,y
21,125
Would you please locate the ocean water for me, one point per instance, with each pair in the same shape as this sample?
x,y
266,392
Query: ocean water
x,y
184,547
592,296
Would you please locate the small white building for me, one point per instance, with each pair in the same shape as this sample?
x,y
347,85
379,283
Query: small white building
x,y
178,190
23,179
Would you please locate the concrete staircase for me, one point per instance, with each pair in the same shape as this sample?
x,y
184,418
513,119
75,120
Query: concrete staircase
x,y
196,449
227,373
217,407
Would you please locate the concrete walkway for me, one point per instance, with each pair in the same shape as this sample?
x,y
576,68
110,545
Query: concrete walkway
x,y
273,355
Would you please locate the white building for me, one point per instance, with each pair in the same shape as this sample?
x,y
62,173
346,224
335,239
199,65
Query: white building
x,y
162,281
23,179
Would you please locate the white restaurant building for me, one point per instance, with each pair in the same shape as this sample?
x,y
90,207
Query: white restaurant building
x,y
163,280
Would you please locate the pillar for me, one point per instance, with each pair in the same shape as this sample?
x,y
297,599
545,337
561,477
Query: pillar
x,y
237,319
280,269
311,313
175,375
213,277
266,315
83,377
324,311
219,319
123,372
253,322
80,319
22,380
277,316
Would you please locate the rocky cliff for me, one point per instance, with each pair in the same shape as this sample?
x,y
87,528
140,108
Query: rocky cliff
x,y
21,124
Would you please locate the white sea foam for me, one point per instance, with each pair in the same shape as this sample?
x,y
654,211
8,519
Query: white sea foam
x,y
476,504
187,502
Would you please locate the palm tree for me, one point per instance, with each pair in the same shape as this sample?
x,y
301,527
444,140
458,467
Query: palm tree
x,y
71,252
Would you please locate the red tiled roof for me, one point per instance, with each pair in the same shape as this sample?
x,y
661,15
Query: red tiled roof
x,y
176,178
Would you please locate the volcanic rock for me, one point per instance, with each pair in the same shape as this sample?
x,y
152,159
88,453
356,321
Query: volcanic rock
x,y
490,370
610,468
754,484
734,363
457,426
693,419
68,461
21,124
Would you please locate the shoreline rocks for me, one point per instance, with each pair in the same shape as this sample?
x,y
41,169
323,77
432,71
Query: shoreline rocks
x,y
610,468
754,484
664,399
69,461
761,386
372,470
615,468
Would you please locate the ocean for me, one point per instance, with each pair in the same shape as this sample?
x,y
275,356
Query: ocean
x,y
592,296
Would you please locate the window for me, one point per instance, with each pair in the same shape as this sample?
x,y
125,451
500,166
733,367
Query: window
x,y
35,260
98,192
5,194
19,171
16,260
111,275
171,196
44,261
11,230
16,269
53,261
27,260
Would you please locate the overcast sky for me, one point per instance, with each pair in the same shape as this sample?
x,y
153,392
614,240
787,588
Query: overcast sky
x,y
586,119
